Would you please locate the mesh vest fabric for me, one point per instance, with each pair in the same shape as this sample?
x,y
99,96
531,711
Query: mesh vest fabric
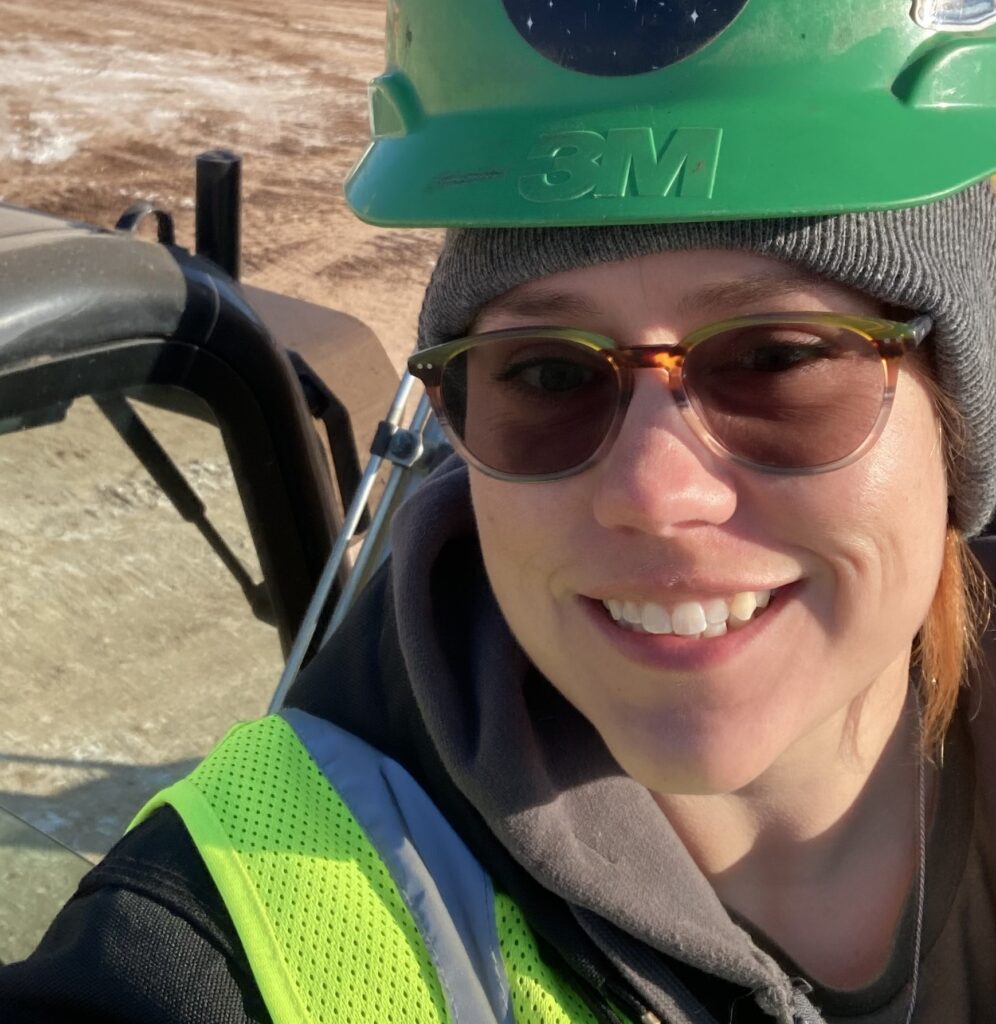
x,y
325,929
539,994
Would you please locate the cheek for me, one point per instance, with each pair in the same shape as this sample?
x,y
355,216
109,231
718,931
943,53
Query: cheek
x,y
877,527
518,529
530,536
902,495
504,526
915,503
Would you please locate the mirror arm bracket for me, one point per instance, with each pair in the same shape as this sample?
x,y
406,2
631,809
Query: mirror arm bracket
x,y
130,220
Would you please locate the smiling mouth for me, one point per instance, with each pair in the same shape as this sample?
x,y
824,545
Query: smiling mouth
x,y
693,619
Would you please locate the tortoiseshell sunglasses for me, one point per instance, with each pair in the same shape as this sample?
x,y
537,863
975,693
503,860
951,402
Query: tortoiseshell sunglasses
x,y
782,393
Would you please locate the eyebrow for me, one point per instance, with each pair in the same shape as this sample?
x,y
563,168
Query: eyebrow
x,y
749,291
547,305
541,304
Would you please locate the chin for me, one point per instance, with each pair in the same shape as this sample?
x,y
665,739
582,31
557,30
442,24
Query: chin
x,y
675,754
690,776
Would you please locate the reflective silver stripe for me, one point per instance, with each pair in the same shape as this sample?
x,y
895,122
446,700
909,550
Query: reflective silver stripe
x,y
444,887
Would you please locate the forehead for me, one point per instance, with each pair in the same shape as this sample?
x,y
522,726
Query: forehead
x,y
686,287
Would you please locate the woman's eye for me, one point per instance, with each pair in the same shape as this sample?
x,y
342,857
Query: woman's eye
x,y
778,357
549,375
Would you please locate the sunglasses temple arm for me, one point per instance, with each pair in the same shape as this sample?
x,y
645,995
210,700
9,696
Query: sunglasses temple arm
x,y
922,326
405,449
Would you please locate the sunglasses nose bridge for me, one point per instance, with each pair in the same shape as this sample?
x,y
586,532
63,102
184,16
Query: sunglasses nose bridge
x,y
667,359
651,357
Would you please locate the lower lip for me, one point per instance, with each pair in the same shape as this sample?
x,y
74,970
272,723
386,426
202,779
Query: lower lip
x,y
685,653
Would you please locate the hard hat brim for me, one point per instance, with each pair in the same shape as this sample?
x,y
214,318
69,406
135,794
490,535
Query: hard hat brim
x,y
719,160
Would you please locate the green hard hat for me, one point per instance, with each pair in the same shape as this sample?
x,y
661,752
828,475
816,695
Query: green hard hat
x,y
571,112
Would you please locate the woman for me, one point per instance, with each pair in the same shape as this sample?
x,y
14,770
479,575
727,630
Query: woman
x,y
660,712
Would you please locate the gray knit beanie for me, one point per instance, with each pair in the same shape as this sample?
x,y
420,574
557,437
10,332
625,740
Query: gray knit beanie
x,y
938,259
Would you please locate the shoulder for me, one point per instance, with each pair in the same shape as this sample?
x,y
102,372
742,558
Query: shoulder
x,y
145,939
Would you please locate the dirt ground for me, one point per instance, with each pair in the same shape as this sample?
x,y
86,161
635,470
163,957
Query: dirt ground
x,y
108,101
106,698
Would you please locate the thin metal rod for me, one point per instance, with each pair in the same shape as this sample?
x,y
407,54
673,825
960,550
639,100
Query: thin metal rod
x,y
385,511
309,624
324,586
401,397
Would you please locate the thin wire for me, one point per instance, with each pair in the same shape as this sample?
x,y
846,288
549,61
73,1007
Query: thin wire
x,y
921,887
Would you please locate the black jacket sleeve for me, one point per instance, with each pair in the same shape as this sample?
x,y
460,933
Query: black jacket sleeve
x,y
145,940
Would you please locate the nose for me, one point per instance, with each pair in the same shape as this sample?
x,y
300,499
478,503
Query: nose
x,y
659,477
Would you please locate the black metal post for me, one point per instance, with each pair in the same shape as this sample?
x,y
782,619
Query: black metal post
x,y
219,209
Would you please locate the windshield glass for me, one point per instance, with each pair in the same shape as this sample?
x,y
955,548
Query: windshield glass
x,y
133,624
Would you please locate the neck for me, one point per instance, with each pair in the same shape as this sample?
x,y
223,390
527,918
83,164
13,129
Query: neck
x,y
825,836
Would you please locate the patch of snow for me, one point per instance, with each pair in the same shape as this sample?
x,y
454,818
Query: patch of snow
x,y
55,96
38,139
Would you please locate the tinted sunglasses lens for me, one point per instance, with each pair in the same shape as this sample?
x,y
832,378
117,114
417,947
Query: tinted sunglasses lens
x,y
530,406
789,396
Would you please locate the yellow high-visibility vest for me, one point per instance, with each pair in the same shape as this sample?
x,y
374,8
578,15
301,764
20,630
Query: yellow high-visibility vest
x,y
353,897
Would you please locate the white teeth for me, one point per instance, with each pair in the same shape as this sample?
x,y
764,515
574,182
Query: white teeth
x,y
688,619
710,618
656,619
631,613
716,611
